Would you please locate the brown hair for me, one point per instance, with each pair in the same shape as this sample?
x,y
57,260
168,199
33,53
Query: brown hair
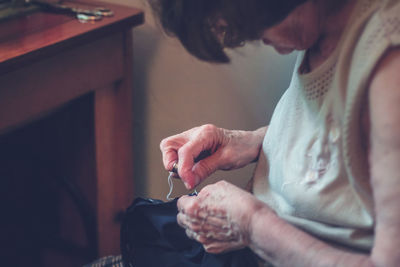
x,y
197,23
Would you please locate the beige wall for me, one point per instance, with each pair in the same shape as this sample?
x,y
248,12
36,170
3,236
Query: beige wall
x,y
174,92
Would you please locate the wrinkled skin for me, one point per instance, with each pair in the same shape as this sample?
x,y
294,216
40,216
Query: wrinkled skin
x,y
227,149
225,218
219,217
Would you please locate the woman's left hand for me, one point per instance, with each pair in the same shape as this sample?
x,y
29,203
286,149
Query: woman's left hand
x,y
219,217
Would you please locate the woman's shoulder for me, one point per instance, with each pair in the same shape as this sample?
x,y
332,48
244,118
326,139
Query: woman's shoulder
x,y
376,33
385,81
384,25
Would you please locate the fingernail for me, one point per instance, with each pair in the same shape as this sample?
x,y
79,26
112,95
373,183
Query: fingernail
x,y
186,185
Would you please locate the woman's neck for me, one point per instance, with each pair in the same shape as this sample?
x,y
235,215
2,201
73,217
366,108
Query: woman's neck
x,y
334,16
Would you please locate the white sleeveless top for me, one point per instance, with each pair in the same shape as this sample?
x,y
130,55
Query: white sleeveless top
x,y
312,169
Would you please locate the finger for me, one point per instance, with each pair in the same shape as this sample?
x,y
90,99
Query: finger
x,y
174,171
192,234
220,247
187,155
192,146
198,237
208,165
169,159
214,246
207,231
215,220
188,204
220,235
213,237
192,154
169,149
213,224
188,222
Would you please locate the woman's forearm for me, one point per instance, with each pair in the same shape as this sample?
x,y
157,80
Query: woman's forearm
x,y
240,147
260,134
286,245
256,139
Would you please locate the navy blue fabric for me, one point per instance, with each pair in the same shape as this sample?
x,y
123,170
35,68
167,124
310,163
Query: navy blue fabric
x,y
151,237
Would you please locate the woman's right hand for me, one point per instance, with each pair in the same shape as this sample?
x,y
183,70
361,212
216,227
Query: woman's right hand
x,y
226,150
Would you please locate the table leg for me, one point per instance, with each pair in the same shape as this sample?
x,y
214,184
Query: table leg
x,y
114,156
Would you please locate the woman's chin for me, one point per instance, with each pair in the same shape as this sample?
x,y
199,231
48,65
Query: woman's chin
x,y
283,50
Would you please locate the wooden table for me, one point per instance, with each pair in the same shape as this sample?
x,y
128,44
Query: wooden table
x,y
53,64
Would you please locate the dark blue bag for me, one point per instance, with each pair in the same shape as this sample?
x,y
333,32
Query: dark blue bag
x,y
151,237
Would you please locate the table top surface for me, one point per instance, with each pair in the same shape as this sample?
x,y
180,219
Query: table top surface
x,y
34,35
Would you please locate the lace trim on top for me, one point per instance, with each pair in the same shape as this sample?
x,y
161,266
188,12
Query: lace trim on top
x,y
316,83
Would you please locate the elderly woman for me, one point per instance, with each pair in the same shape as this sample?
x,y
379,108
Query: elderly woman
x,y
326,188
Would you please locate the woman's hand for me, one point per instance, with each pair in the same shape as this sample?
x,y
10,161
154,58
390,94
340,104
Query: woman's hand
x,y
219,217
227,149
